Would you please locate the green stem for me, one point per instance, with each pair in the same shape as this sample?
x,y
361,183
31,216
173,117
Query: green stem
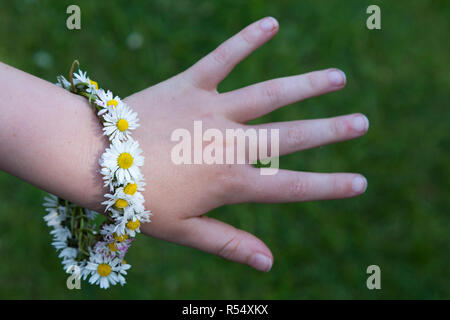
x,y
75,62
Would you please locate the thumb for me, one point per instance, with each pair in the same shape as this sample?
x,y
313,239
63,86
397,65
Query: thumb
x,y
226,241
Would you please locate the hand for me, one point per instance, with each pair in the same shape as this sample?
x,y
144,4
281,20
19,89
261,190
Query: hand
x,y
180,195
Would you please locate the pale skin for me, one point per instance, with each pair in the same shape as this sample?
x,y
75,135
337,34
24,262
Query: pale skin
x,y
52,139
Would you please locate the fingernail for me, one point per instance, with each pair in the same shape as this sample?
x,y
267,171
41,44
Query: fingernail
x,y
260,262
268,24
359,184
360,123
337,77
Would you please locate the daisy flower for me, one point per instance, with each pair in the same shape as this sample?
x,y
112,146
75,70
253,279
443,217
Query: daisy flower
x,y
133,186
63,82
56,213
120,249
59,244
119,122
107,230
130,225
107,101
108,177
82,78
112,245
101,248
109,234
61,233
51,202
126,198
113,249
54,218
105,271
123,160
68,253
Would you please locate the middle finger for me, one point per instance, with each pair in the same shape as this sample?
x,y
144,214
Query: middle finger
x,y
305,134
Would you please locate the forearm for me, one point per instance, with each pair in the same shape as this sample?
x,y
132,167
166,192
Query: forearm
x,y
50,138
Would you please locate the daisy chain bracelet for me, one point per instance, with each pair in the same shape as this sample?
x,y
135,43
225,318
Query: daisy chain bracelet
x,y
94,252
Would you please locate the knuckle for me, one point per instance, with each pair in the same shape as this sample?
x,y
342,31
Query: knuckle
x,y
228,179
207,115
341,186
232,183
231,247
340,128
247,36
312,81
296,137
337,187
298,189
272,91
336,128
347,186
221,54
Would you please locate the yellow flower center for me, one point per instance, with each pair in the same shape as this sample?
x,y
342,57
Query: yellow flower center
x,y
130,189
103,269
121,203
112,102
94,83
133,225
112,247
125,160
122,125
120,238
124,261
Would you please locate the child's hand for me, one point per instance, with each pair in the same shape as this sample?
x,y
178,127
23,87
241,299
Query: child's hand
x,y
180,195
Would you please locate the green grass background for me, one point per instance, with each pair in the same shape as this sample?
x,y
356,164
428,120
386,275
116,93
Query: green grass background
x,y
397,76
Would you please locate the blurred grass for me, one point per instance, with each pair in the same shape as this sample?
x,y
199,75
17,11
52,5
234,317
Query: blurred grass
x,y
398,77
